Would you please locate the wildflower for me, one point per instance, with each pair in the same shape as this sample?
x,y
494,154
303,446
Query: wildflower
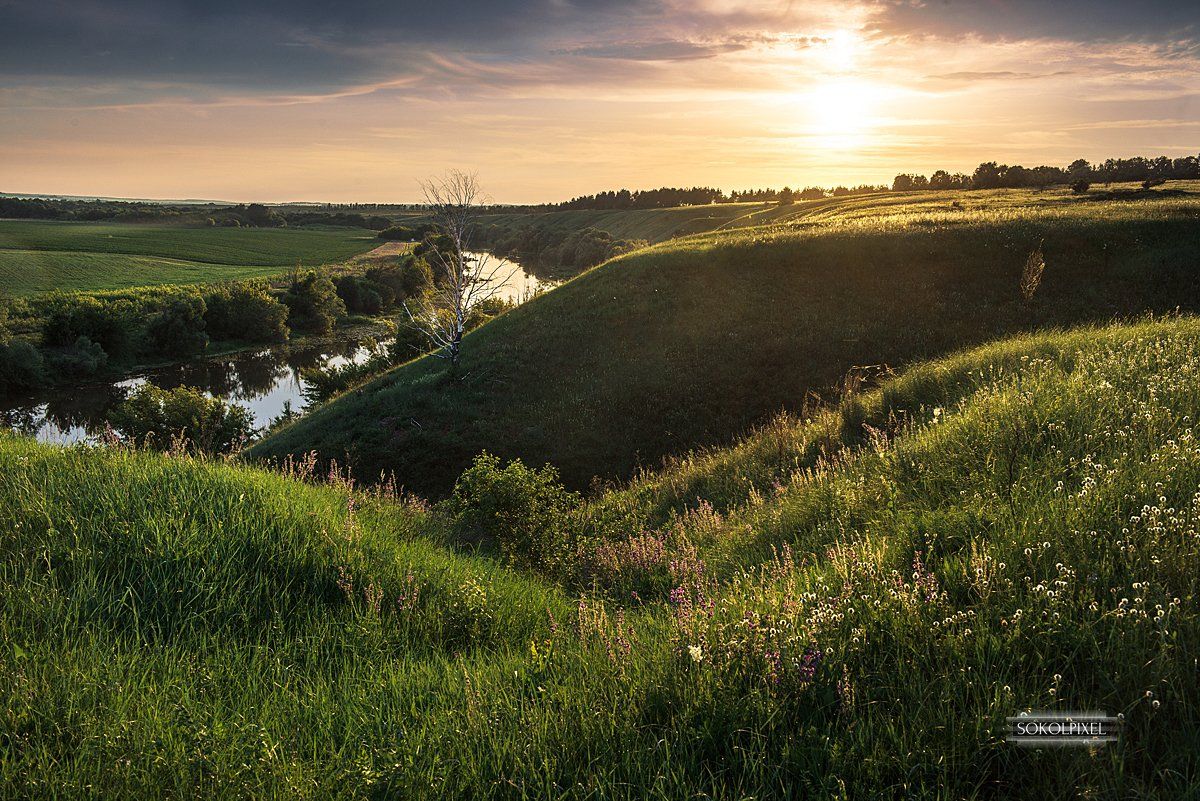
x,y
696,654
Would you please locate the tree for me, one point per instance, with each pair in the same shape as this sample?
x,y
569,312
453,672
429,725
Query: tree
x,y
245,311
178,330
313,303
461,279
987,176
160,418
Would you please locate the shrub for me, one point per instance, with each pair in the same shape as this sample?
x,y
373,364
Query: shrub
x,y
21,365
246,311
485,310
522,510
158,418
106,323
313,303
398,233
359,294
410,342
408,279
178,330
83,359
1079,187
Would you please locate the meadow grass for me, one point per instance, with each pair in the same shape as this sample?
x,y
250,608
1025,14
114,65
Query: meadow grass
x,y
1011,527
39,256
695,341
660,225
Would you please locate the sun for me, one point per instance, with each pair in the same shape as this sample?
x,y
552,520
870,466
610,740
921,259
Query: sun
x,y
839,108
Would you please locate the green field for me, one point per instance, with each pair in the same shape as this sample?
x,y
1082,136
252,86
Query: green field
x,y
696,340
659,225
856,604
40,256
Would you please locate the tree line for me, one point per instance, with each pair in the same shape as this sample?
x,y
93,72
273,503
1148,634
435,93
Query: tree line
x,y
241,215
1079,173
671,197
988,175
64,337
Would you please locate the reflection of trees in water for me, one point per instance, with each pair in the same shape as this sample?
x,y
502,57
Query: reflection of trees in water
x,y
257,373
300,358
84,407
216,377
244,376
26,420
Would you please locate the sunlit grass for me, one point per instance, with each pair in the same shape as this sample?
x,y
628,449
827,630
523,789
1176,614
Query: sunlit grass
x,y
43,255
698,339
861,599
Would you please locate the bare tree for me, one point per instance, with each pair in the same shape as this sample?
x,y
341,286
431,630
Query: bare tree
x,y
460,281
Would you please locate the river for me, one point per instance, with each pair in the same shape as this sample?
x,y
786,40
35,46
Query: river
x,y
266,381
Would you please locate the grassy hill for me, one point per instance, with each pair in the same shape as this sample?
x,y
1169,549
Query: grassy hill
x,y
659,225
695,340
856,603
39,256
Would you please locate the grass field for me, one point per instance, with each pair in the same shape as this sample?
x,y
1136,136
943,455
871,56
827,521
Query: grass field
x,y
695,340
659,225
39,256
856,603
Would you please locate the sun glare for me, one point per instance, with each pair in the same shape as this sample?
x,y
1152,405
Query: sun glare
x,y
840,113
837,110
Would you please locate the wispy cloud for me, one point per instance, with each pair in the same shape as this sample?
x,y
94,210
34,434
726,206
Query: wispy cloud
x,y
554,97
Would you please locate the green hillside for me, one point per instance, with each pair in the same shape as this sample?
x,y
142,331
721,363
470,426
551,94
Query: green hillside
x,y
855,605
39,256
659,225
652,225
696,340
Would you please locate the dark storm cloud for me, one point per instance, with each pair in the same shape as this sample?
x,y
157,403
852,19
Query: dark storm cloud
x,y
1074,20
273,44
317,46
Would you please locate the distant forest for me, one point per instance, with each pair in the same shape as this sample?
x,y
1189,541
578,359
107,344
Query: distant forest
x,y
254,215
1079,174
988,175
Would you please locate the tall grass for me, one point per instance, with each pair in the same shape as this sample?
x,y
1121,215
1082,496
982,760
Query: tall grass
x,y
854,608
696,341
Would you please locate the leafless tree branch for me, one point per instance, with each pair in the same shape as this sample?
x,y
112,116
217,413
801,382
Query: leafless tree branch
x,y
461,279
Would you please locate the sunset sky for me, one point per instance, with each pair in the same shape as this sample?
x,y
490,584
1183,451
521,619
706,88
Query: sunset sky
x,y
546,99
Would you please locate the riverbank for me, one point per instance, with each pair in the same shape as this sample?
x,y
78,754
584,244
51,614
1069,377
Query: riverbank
x,y
268,381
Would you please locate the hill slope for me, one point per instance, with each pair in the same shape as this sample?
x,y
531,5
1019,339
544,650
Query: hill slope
x,y
1009,528
659,225
693,341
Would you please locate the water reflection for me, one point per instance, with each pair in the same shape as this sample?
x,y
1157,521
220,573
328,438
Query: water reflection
x,y
510,280
265,381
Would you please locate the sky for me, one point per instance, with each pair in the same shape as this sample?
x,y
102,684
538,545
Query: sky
x,y
358,100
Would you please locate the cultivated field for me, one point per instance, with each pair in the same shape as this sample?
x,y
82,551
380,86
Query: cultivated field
x,y
40,256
